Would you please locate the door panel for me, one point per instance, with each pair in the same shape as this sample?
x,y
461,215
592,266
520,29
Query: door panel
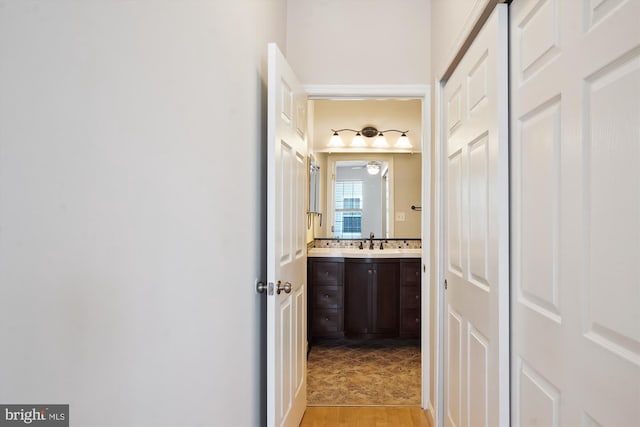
x,y
476,214
454,214
478,176
575,99
286,256
478,360
612,152
453,374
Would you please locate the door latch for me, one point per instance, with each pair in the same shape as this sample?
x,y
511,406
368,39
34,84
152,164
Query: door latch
x,y
262,287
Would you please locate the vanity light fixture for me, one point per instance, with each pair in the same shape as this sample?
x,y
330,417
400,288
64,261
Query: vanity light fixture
x,y
369,132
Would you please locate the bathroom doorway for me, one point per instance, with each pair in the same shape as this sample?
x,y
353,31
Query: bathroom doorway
x,y
341,355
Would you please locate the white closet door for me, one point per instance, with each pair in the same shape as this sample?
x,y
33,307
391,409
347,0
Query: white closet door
x,y
476,204
575,123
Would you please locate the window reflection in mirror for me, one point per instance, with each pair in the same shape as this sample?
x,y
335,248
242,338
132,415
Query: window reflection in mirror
x,y
359,187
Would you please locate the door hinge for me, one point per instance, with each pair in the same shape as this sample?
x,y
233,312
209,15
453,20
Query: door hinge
x,y
445,284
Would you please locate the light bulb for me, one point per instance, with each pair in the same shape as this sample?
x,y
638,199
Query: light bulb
x,y
403,141
358,141
336,141
380,141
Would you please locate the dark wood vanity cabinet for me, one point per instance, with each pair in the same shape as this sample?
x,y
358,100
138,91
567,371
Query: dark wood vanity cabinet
x,y
364,297
326,295
371,297
410,299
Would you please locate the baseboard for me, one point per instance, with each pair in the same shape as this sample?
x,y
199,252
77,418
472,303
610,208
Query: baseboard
x,y
431,415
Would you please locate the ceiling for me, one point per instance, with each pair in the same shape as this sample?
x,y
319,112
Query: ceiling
x,y
401,114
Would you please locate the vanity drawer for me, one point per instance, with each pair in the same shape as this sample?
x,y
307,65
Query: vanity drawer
x,y
326,273
327,296
410,322
327,322
410,297
410,274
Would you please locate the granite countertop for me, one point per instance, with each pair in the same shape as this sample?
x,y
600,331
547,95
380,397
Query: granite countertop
x,y
364,253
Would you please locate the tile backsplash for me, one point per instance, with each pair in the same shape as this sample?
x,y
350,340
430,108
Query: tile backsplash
x,y
348,243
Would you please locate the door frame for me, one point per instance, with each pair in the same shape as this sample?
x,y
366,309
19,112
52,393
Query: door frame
x,y
480,14
422,92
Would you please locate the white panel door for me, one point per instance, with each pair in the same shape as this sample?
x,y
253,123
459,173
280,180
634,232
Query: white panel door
x,y
476,206
286,244
575,123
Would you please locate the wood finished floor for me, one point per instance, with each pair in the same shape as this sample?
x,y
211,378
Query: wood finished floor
x,y
346,416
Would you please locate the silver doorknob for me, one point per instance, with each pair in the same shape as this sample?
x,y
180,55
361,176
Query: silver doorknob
x,y
261,287
286,287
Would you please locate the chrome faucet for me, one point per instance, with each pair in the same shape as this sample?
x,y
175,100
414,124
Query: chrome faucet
x,y
371,240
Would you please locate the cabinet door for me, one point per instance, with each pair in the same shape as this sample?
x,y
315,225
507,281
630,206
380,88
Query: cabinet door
x,y
358,278
384,299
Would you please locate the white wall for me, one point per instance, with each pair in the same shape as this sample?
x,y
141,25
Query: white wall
x,y
359,41
451,21
127,260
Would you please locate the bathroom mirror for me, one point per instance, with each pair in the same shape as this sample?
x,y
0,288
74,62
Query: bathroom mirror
x,y
369,193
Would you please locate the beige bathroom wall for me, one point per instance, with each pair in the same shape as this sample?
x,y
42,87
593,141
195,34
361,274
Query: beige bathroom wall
x,y
407,192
